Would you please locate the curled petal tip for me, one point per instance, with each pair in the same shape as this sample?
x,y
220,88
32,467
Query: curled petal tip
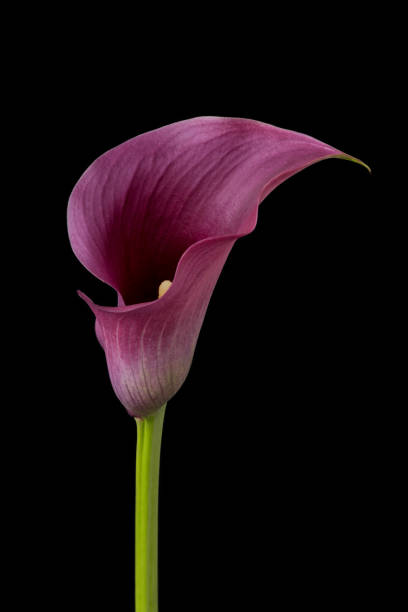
x,y
84,297
87,300
353,159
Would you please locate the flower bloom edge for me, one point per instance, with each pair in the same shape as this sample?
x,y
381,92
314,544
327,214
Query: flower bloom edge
x,y
169,205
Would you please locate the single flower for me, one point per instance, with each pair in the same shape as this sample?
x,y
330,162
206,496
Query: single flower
x,y
156,218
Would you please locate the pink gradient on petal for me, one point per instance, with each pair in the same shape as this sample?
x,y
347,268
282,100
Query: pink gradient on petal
x,y
169,205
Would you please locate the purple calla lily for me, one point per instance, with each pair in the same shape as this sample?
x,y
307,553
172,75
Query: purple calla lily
x,y
169,205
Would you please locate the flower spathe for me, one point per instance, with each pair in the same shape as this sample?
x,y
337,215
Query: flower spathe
x,y
168,205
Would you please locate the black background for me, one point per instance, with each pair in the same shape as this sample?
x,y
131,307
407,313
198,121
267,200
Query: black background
x,y
272,454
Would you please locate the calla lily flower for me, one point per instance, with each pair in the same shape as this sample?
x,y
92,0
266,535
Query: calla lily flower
x,y
162,211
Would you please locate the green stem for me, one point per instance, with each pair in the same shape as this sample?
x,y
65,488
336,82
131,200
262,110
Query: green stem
x,y
149,432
